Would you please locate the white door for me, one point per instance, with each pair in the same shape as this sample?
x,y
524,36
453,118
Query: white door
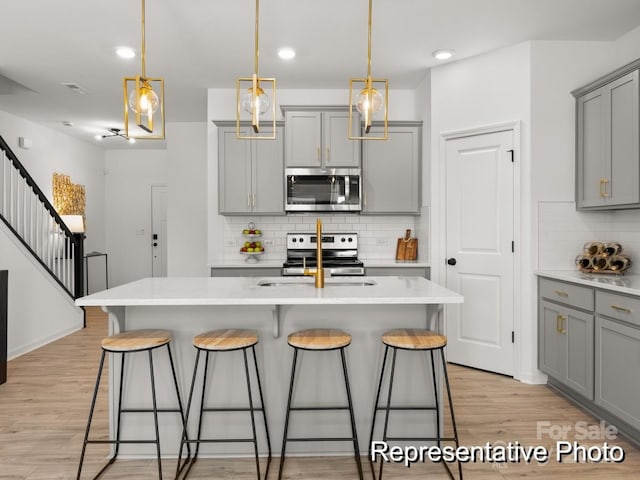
x,y
479,246
159,195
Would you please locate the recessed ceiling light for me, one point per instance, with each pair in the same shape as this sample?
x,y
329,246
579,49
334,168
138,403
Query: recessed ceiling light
x,y
125,52
286,53
443,54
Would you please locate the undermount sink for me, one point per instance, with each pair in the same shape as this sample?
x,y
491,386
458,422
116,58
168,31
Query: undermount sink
x,y
308,282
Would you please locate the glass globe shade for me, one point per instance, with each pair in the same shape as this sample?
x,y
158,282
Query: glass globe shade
x,y
362,101
262,101
149,101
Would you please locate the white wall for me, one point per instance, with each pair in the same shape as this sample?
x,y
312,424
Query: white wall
x,y
52,152
129,177
221,106
187,209
487,90
38,311
558,68
130,174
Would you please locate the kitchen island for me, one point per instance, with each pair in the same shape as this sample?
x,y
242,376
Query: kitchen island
x,y
274,307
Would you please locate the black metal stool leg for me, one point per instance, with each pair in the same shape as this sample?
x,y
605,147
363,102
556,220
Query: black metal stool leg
x,y
155,413
182,413
354,432
388,406
185,438
91,410
286,419
120,390
251,412
375,409
453,418
264,411
435,396
204,383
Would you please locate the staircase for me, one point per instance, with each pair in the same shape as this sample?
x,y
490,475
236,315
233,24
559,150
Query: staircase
x,y
29,215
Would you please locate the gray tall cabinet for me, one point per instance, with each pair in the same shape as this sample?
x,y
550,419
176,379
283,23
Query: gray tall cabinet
x,y
608,141
250,172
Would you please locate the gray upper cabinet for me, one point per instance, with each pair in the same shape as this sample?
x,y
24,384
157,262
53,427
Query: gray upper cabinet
x,y
391,170
320,137
250,173
608,142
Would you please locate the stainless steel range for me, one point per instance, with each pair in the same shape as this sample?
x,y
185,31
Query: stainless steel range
x,y
339,254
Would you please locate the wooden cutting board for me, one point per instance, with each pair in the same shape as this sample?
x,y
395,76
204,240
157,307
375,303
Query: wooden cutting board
x,y
407,247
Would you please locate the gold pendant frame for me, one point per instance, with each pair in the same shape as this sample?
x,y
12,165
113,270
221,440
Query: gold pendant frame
x,y
356,85
138,125
254,83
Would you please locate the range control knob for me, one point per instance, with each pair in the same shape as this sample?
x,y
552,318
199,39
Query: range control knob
x,y
301,240
294,239
342,240
350,239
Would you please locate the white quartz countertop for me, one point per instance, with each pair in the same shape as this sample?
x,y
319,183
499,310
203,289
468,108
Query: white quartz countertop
x,y
286,291
628,283
368,262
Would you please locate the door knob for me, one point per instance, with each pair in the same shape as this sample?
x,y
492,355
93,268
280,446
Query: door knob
x,y
451,261
155,244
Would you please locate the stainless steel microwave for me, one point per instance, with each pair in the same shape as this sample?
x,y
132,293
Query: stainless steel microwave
x,y
323,190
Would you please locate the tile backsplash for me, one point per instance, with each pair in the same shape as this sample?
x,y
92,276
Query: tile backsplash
x,y
377,234
562,232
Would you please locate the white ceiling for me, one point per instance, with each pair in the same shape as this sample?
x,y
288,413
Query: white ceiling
x,y
198,44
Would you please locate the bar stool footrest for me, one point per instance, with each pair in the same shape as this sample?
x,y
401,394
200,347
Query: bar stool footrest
x,y
113,442
221,440
321,439
318,408
423,439
407,408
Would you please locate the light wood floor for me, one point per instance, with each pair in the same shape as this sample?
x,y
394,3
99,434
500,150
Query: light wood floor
x,y
44,405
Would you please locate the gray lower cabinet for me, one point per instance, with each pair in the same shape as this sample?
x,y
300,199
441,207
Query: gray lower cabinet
x,y
398,271
566,346
391,173
319,137
608,142
589,346
250,173
246,271
617,368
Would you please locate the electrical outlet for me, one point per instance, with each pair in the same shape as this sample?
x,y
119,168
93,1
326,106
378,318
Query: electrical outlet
x,y
268,243
381,242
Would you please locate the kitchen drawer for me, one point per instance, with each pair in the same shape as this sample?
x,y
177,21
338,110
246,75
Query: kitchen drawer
x,y
620,307
569,294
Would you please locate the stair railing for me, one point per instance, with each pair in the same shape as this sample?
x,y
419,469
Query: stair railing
x,y
27,212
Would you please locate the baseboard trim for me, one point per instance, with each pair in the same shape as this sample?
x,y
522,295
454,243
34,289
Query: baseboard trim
x,y
41,342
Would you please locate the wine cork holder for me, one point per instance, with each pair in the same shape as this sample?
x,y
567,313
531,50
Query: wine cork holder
x,y
603,257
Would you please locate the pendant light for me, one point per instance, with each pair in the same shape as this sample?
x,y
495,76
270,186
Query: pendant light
x,y
369,102
252,101
144,97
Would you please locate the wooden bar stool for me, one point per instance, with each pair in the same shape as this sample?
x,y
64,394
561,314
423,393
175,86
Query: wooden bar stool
x,y
125,343
218,341
320,339
422,341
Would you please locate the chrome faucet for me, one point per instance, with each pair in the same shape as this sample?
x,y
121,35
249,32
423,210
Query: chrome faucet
x,y
318,272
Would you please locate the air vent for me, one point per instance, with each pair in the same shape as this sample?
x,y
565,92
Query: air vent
x,y
74,87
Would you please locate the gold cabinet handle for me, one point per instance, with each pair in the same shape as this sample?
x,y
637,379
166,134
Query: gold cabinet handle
x,y
621,309
560,293
248,200
560,323
328,154
603,187
318,153
365,199
254,199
